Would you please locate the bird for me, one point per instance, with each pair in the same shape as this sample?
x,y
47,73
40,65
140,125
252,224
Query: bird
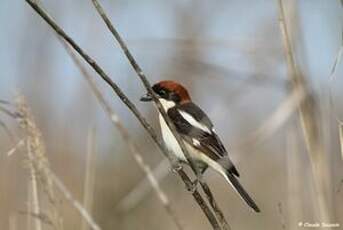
x,y
197,133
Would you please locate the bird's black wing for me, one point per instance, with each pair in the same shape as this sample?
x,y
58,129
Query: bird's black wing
x,y
197,130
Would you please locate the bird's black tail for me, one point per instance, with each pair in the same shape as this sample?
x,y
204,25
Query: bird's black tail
x,y
240,190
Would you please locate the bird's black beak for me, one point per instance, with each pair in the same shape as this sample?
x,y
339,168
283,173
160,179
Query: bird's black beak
x,y
146,97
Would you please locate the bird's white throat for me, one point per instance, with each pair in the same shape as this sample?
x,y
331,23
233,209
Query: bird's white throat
x,y
167,104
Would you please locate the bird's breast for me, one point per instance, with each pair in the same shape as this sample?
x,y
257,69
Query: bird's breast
x,y
170,141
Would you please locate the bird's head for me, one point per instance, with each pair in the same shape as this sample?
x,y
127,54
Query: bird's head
x,y
169,93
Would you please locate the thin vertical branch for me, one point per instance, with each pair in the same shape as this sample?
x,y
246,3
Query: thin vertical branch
x,y
196,195
338,56
170,124
37,158
340,128
307,114
331,79
137,194
90,172
293,178
29,206
12,222
34,188
77,205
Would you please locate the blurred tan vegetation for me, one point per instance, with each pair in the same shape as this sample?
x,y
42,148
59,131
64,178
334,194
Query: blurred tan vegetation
x,y
281,123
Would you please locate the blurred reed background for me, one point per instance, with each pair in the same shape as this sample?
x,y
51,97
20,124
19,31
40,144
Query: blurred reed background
x,y
280,126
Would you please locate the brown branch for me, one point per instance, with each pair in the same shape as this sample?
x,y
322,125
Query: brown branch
x,y
125,135
207,211
170,124
307,114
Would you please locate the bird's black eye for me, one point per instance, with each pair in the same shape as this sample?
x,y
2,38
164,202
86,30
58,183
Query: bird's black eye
x,y
163,92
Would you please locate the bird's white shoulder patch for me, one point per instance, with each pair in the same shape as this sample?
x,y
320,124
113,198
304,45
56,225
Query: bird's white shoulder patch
x,y
167,104
194,122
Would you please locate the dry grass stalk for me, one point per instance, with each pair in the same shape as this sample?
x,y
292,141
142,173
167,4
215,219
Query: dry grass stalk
x,y
12,222
90,175
77,205
37,160
29,207
308,115
332,78
45,176
340,128
33,186
137,194
294,201
338,57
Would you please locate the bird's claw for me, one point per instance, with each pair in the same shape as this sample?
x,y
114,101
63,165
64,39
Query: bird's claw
x,y
192,186
176,167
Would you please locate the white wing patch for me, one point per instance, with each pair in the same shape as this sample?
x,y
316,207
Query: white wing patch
x,y
167,104
194,122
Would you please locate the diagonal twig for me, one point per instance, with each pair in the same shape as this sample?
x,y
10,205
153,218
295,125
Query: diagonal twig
x,y
170,124
196,195
90,174
125,135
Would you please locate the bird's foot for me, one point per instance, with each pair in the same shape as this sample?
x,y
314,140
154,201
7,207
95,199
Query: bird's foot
x,y
192,186
176,166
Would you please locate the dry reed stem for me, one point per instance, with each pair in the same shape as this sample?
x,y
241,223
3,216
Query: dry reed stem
x,y
37,159
34,188
340,128
137,194
219,214
12,222
338,57
77,205
331,79
29,206
307,114
196,195
46,176
90,171
294,201
116,121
